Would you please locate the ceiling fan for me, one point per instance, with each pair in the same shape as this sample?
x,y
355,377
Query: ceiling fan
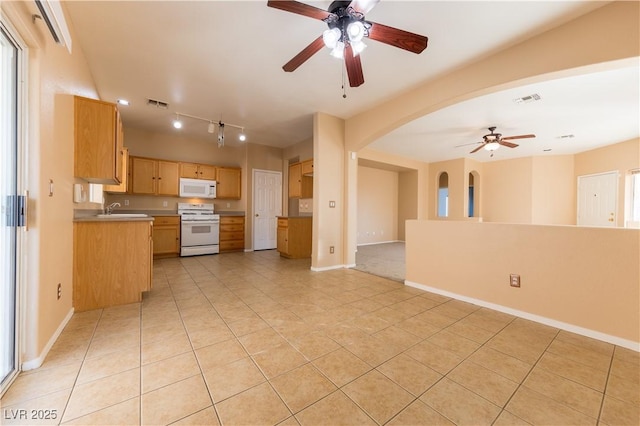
x,y
347,28
492,141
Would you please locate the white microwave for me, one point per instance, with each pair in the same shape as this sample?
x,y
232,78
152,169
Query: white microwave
x,y
197,188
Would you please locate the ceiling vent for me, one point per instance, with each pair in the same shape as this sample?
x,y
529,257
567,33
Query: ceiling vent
x,y
527,99
157,104
566,136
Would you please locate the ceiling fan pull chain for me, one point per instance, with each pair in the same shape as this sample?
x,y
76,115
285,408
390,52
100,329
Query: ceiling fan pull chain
x,y
344,90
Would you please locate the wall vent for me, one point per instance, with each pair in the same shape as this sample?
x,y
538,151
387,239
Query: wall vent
x,y
527,99
157,104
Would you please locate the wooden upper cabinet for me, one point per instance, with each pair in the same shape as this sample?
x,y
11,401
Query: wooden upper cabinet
x,y
167,178
207,172
189,170
229,183
301,183
307,167
197,171
143,176
123,187
154,177
295,180
98,141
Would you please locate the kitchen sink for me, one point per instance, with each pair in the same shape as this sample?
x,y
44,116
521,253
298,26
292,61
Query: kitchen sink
x,y
120,215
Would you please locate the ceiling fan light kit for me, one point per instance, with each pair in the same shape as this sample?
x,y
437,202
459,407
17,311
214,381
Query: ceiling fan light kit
x,y
344,37
493,141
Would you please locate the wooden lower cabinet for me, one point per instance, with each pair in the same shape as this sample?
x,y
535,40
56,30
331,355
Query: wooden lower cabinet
x,y
294,237
112,262
231,233
166,236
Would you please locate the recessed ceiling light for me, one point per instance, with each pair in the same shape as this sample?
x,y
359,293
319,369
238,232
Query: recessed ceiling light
x,y
123,102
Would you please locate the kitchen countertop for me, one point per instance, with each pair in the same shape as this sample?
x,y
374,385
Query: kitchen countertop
x,y
91,215
95,218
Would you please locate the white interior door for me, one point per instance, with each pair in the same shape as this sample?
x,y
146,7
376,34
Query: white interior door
x,y
267,206
598,199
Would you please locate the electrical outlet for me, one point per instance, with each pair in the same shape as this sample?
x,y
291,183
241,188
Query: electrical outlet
x,y
59,290
165,203
332,249
228,205
126,202
514,280
332,204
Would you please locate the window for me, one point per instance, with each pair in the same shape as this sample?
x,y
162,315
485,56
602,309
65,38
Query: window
x,y
633,203
443,195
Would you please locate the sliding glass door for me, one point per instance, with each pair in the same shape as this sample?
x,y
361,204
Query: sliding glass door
x,y
9,205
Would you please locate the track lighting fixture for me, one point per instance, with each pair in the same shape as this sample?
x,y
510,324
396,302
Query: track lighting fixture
x,y
177,123
211,127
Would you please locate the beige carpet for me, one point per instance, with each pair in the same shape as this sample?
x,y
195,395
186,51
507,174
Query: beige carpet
x,y
384,260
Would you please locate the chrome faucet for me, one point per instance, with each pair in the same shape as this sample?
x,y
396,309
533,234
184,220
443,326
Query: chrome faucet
x,y
110,207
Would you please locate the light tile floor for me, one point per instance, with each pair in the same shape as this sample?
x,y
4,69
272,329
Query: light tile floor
x,y
253,339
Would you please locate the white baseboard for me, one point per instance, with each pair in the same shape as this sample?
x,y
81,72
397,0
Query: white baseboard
x,y
629,344
380,242
37,362
327,268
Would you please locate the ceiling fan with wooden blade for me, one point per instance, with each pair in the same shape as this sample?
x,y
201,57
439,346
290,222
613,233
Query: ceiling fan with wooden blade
x,y
493,141
346,29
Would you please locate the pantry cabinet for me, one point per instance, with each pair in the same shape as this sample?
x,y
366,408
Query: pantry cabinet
x,y
166,236
112,262
294,237
154,177
197,171
98,141
229,183
231,233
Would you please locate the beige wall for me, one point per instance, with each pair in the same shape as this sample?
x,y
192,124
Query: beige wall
x,y
54,75
553,194
583,277
328,180
506,190
620,157
407,200
377,205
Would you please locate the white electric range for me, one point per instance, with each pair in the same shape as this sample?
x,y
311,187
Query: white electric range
x,y
200,229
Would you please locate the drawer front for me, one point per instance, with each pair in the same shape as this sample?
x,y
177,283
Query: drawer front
x,y
166,220
231,245
231,228
230,236
283,223
227,220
